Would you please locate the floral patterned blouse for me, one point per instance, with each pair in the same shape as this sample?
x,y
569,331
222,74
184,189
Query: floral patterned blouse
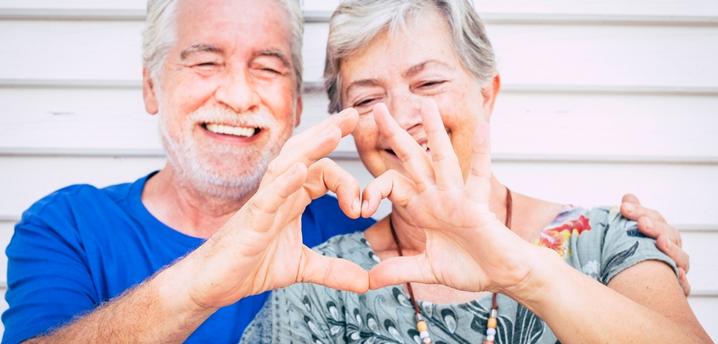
x,y
598,242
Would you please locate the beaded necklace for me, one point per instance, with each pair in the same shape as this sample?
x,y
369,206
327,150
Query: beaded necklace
x,y
491,322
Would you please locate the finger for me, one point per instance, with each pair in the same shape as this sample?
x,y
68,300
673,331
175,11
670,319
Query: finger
x,y
630,198
683,281
390,184
399,270
412,156
446,164
331,272
654,230
326,175
633,211
672,250
479,180
313,144
266,202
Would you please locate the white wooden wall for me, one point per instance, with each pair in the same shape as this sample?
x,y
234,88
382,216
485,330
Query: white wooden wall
x,y
623,90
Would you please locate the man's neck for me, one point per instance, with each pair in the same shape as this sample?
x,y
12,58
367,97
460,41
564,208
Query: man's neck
x,y
184,208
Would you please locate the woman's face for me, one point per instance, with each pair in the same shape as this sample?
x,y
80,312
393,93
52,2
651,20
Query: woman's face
x,y
404,69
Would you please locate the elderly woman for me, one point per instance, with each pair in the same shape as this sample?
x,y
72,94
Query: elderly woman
x,y
461,258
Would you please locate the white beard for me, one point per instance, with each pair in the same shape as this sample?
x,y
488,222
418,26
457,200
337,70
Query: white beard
x,y
197,169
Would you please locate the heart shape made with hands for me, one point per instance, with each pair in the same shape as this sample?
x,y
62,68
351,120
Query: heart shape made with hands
x,y
466,244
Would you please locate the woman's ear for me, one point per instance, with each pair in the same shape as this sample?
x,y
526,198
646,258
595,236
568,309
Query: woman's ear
x,y
148,93
490,91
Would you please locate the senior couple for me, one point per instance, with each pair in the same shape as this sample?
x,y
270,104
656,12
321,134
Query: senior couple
x,y
189,252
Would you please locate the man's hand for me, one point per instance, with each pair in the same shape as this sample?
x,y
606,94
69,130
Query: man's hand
x,y
260,248
668,239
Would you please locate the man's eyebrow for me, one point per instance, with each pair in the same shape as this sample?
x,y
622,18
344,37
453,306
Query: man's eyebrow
x,y
200,48
415,69
274,53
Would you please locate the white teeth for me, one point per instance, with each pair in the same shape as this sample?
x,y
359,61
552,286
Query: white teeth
x,y
425,146
229,130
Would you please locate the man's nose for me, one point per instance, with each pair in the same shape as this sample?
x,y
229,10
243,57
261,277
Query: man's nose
x,y
238,92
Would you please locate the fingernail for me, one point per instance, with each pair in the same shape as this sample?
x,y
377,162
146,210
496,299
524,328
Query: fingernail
x,y
356,205
630,207
365,207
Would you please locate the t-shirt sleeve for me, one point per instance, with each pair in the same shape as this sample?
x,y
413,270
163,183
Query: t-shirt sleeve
x,y
48,280
625,246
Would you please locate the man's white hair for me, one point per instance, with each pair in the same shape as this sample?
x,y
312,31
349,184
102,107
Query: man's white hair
x,y
160,34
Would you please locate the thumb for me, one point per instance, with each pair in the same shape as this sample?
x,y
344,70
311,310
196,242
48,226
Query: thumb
x,y
335,273
398,270
630,198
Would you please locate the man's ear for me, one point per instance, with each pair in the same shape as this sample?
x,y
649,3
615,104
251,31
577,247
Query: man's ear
x,y
298,111
490,91
148,93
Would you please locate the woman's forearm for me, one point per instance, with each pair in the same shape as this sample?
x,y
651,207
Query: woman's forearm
x,y
579,309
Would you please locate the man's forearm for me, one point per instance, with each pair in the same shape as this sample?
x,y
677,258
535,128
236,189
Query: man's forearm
x,y
156,311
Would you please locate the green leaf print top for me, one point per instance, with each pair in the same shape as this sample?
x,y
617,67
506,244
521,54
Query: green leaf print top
x,y
598,242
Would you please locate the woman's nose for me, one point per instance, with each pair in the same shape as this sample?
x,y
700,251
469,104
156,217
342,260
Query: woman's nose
x,y
406,110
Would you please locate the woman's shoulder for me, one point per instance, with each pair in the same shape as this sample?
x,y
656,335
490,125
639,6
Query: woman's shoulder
x,y
599,241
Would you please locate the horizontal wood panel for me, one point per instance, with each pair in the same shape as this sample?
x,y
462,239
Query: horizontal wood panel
x,y
684,194
607,125
565,55
610,7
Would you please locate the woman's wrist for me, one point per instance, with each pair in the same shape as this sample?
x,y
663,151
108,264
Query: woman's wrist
x,y
542,282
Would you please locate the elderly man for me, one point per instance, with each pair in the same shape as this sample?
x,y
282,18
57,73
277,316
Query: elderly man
x,y
130,262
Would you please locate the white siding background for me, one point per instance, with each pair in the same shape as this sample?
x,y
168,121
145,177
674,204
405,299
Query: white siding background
x,y
622,90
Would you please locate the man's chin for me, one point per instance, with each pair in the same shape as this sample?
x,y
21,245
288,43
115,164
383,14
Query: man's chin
x,y
225,186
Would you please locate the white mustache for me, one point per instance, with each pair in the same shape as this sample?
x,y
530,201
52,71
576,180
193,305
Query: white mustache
x,y
220,115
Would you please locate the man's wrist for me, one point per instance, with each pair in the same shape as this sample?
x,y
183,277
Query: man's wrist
x,y
174,286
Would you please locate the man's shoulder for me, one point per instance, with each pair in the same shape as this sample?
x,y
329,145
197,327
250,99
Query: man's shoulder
x,y
77,198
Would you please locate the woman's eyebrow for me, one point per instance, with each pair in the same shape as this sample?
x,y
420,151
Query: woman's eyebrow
x,y
415,69
362,83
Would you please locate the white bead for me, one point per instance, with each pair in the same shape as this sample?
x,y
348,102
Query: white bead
x,y
494,313
490,338
426,340
491,332
424,334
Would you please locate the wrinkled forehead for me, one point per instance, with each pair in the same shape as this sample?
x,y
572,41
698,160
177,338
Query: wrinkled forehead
x,y
265,21
423,41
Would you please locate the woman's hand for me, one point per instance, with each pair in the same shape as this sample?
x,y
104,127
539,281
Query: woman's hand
x,y
260,248
467,246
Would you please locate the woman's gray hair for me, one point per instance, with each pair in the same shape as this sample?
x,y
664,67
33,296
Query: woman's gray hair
x,y
355,23
160,34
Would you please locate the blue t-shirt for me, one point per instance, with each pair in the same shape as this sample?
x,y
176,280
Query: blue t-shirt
x,y
82,246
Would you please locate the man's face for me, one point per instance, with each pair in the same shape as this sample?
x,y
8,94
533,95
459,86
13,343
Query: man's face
x,y
226,93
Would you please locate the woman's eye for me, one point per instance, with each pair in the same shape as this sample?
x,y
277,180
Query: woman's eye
x,y
430,84
271,70
364,102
